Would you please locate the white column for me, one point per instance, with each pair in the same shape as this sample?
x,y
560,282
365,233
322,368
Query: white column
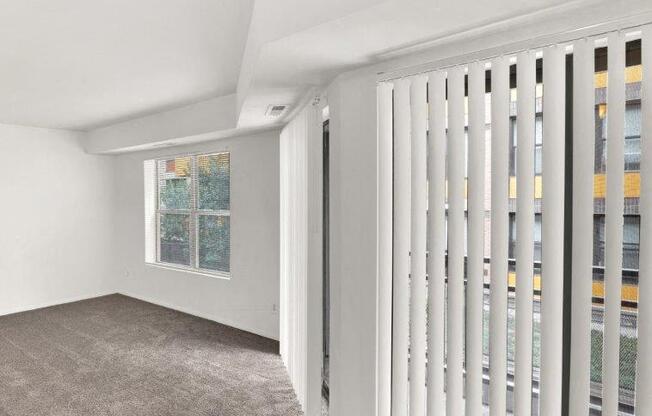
x,y
526,84
499,235
644,365
582,264
419,113
456,165
385,144
401,266
475,255
614,221
552,273
436,242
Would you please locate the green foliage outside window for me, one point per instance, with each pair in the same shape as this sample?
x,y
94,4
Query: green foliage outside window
x,y
213,178
214,242
175,244
627,366
175,194
208,177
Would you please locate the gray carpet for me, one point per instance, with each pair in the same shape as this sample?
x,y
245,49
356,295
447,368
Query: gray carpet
x,y
119,356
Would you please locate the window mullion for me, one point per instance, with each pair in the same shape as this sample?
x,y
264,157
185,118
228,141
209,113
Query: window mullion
x,y
158,213
193,212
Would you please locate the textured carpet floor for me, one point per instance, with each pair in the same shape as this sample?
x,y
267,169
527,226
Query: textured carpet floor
x,y
119,356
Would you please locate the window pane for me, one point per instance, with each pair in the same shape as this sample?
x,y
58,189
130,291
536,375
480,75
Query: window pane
x,y
538,133
633,119
175,238
538,160
632,153
537,237
513,131
214,239
174,183
631,237
213,176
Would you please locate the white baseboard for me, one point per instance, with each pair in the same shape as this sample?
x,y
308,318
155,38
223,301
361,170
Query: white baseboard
x,y
31,307
202,315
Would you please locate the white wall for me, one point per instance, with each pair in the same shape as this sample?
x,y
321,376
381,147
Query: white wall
x,y
204,117
353,244
250,299
56,207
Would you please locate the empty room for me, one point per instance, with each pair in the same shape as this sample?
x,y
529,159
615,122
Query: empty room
x,y
325,208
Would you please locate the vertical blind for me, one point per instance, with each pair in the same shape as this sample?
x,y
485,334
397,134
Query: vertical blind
x,y
300,246
478,155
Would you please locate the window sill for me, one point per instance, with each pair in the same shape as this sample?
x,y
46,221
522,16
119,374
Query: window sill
x,y
199,272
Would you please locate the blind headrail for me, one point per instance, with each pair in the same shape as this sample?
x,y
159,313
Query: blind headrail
x,y
631,25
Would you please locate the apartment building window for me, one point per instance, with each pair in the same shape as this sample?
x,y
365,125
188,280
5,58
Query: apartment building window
x,y
193,217
632,133
537,236
631,232
538,145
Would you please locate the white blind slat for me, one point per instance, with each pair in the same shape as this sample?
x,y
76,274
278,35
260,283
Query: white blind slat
x,y
614,220
385,145
552,273
423,152
419,114
456,163
499,235
644,369
475,262
436,242
582,266
151,197
526,82
401,316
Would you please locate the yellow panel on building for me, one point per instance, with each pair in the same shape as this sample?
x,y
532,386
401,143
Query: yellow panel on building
x,y
182,166
632,74
538,187
629,292
632,185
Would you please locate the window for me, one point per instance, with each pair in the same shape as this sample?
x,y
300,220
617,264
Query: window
x,y
537,237
449,109
193,218
538,144
631,230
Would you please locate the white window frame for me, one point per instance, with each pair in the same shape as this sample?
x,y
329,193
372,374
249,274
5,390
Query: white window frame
x,y
194,213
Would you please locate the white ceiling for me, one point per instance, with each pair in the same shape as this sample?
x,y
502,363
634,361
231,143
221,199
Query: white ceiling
x,y
82,64
291,63
79,64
